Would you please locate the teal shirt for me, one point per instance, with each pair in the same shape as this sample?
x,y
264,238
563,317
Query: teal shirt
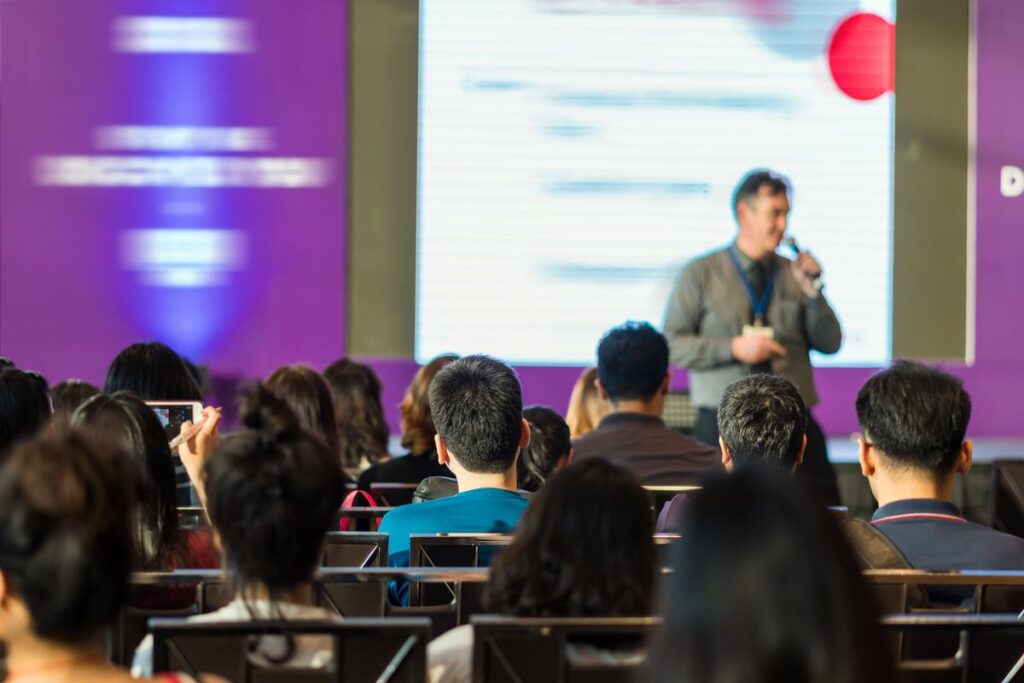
x,y
479,511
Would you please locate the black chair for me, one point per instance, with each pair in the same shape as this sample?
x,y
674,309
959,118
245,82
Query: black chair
x,y
386,650
1007,501
981,647
517,650
191,516
393,495
355,549
659,496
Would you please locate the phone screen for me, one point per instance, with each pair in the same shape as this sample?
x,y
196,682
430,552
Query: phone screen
x,y
171,416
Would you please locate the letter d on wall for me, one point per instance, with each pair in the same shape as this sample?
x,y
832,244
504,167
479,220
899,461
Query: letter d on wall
x,y
1011,181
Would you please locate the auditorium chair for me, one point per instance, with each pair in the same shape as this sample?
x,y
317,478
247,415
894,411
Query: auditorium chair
x,y
355,549
392,495
365,650
523,650
1007,497
981,648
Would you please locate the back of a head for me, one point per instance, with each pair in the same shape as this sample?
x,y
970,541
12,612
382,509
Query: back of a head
x,y
359,417
126,419
583,548
549,444
477,405
273,490
65,533
418,427
70,394
764,588
309,398
762,420
585,405
154,372
24,407
632,360
916,416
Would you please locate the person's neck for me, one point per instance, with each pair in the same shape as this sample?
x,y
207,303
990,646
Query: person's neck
x,y
654,406
299,594
893,488
476,480
30,657
751,251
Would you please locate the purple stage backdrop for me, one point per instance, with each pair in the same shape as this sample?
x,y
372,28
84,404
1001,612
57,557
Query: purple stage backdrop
x,y
184,180
172,170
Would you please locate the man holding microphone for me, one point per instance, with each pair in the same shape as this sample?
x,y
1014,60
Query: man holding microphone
x,y
745,309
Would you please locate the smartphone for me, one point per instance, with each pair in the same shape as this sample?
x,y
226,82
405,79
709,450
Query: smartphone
x,y
172,413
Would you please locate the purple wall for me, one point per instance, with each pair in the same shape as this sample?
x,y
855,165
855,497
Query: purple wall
x,y
73,291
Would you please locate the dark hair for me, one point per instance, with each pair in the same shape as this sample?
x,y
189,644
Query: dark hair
x,y
750,186
65,533
309,397
762,420
70,394
272,492
154,372
24,407
916,416
632,360
583,548
764,588
549,443
477,405
418,428
124,417
358,415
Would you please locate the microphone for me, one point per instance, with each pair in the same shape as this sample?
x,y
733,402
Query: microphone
x,y
816,277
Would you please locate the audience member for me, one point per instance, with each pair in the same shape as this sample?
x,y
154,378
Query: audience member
x,y
65,557
309,398
418,434
913,421
632,369
24,407
764,589
154,372
477,405
362,430
272,490
550,447
586,407
70,394
582,549
159,543
762,420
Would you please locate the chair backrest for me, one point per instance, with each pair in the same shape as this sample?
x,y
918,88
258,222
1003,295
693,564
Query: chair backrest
x,y
355,549
1007,501
394,494
392,650
993,592
515,650
979,647
455,550
191,516
660,495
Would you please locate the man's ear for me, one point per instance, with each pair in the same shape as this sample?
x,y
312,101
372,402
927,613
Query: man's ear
x,y
965,458
524,436
866,456
600,390
443,457
665,382
726,456
800,455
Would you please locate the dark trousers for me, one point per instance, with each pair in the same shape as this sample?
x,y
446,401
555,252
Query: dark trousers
x,y
815,472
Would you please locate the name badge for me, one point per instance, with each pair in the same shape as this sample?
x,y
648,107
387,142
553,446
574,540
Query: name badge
x,y
760,330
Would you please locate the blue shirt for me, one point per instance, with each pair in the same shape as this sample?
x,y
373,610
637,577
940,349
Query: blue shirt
x,y
480,511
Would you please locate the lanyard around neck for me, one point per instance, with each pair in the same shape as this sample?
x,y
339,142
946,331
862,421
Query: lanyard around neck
x,y
758,304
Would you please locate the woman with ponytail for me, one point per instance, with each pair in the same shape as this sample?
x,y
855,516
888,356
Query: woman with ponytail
x,y
271,491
